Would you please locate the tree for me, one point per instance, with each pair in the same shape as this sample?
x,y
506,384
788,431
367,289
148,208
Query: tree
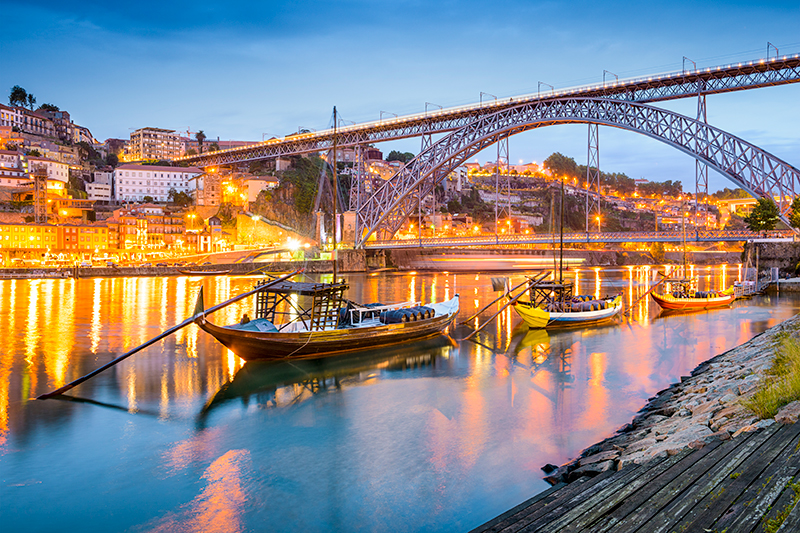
x,y
34,153
794,219
11,146
112,160
404,157
200,136
179,198
561,165
49,107
147,199
763,217
18,96
191,151
214,147
31,101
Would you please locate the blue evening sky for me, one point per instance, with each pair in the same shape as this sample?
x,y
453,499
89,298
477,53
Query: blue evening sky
x,y
240,70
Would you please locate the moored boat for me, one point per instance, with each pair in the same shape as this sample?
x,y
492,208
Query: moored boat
x,y
552,305
302,319
682,295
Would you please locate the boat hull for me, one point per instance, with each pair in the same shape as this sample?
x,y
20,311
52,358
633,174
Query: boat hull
x,y
203,272
254,345
671,303
536,317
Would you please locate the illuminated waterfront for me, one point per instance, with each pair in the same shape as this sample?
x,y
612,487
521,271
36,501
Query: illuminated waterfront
x,y
428,436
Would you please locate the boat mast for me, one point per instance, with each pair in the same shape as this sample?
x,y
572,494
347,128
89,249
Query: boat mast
x,y
561,231
335,194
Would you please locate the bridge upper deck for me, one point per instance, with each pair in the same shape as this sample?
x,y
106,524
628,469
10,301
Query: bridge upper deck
x,y
668,86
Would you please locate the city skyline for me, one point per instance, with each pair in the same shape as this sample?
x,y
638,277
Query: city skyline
x,y
266,70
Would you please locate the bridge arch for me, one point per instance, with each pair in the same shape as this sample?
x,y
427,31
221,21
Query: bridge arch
x,y
758,172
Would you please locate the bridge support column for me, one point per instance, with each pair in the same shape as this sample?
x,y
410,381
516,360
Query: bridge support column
x,y
501,162
593,178
701,169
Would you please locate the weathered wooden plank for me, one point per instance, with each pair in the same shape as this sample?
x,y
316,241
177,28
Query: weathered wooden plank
x,y
557,508
517,509
584,514
717,501
703,485
764,492
673,492
792,522
632,503
536,507
784,500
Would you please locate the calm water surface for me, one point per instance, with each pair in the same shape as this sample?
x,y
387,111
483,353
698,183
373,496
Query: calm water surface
x,y
441,435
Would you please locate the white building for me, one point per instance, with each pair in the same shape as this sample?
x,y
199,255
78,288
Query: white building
x,y
133,182
99,191
56,170
10,116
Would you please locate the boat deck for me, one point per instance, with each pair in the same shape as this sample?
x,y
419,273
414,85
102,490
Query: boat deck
x,y
739,485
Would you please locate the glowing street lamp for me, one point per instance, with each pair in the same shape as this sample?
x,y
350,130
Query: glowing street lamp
x,y
597,218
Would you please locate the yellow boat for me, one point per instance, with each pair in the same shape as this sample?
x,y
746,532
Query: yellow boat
x,y
539,317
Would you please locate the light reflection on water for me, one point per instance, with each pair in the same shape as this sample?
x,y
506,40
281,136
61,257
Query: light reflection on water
x,y
435,435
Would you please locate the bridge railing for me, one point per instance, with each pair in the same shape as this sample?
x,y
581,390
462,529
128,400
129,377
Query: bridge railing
x,y
581,238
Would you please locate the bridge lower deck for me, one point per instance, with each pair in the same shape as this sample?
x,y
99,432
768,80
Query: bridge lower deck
x,y
740,485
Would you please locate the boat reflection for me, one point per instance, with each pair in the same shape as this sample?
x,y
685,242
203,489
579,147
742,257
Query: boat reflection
x,y
280,383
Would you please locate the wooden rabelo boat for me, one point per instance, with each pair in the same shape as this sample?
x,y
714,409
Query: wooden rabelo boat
x,y
552,305
682,295
305,319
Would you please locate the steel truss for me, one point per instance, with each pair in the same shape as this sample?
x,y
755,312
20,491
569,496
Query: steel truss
x,y
741,76
593,177
759,173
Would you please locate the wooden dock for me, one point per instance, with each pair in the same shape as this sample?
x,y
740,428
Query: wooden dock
x,y
734,486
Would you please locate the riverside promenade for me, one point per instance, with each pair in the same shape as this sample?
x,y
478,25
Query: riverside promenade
x,y
693,460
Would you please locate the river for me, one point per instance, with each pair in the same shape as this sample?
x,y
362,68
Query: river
x,y
441,435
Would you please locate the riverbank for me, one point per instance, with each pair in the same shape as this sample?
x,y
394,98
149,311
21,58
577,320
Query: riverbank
x,y
703,408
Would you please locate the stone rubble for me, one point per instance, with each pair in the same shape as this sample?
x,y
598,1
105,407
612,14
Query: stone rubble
x,y
701,408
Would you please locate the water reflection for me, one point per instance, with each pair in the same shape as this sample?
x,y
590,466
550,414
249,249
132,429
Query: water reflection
x,y
436,435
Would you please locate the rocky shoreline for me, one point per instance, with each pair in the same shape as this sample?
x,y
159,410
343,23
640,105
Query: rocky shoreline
x,y
701,408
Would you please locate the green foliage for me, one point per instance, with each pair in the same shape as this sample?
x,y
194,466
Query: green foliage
x,y
763,217
18,96
191,151
200,136
395,155
782,383
735,223
794,219
11,146
730,194
34,153
660,188
31,101
148,199
157,163
179,198
657,250
49,107
214,147
88,152
561,165
304,177
112,160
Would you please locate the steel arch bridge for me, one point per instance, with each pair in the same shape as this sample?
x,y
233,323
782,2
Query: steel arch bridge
x,y
758,172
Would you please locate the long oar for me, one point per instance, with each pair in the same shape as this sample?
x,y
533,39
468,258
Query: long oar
x,y
631,307
510,302
535,279
198,312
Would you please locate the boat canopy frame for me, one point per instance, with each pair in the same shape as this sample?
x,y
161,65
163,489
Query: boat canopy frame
x,y
549,292
316,305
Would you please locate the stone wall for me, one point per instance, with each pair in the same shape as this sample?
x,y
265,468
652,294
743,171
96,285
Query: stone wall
x,y
784,255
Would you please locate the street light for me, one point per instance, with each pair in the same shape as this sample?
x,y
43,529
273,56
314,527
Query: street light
x,y
597,218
